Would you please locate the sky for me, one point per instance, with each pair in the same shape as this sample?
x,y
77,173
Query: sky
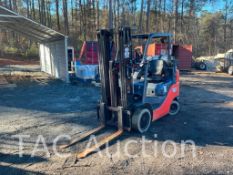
x,y
213,7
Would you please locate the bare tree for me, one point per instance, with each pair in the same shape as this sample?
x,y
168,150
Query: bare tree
x,y
14,5
175,12
65,14
110,15
182,16
141,15
148,16
33,10
97,14
10,4
27,4
57,14
226,11
191,8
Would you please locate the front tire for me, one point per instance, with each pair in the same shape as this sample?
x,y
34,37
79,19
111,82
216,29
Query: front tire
x,y
141,120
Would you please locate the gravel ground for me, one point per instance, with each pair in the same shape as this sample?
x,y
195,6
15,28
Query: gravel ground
x,y
50,108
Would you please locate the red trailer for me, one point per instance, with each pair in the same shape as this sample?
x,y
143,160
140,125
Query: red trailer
x,y
183,55
89,53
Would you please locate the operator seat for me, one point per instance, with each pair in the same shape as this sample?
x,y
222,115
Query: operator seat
x,y
156,70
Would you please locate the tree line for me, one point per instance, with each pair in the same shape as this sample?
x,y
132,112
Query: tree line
x,y
208,32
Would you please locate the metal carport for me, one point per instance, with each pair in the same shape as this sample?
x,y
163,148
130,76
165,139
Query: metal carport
x,y
53,45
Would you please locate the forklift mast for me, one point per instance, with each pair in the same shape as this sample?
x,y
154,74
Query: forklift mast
x,y
125,65
105,43
115,74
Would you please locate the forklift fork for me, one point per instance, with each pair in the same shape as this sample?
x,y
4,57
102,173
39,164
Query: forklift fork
x,y
106,140
109,138
82,137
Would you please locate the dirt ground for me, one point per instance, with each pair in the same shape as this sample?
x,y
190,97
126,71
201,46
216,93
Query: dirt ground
x,y
18,66
50,108
18,61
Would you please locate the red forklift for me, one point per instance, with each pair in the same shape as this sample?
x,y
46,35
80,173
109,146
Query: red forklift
x,y
136,88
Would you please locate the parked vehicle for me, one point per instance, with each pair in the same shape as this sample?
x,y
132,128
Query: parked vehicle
x,y
217,63
228,62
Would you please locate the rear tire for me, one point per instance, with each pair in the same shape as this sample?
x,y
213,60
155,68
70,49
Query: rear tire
x,y
174,108
141,120
202,66
230,70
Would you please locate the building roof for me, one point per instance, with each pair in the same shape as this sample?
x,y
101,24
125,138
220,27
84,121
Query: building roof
x,y
12,21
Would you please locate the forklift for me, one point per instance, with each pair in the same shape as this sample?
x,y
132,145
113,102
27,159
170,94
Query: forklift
x,y
136,88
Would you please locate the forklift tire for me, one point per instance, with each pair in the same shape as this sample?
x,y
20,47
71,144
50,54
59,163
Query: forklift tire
x,y
230,70
174,108
141,120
